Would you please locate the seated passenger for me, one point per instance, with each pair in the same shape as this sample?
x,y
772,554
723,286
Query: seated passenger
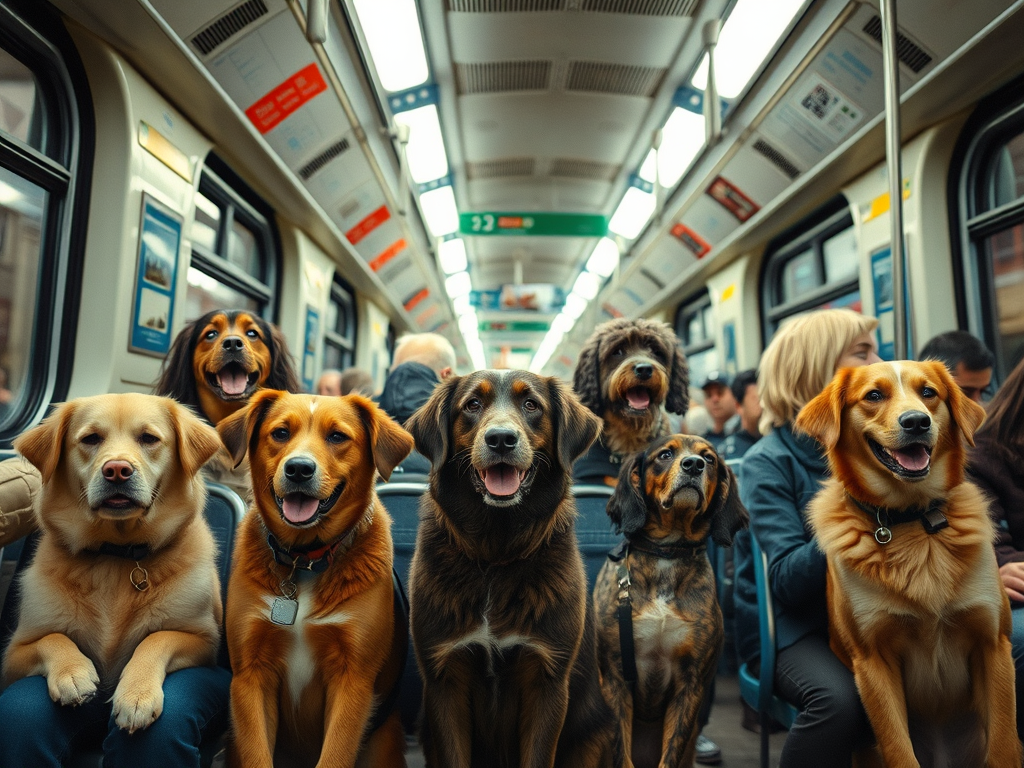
x,y
996,465
967,358
748,405
329,383
780,475
720,405
356,381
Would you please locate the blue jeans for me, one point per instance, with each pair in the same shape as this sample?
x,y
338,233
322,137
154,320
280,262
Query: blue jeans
x,y
36,731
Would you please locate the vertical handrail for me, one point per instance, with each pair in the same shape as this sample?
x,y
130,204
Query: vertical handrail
x,y
894,166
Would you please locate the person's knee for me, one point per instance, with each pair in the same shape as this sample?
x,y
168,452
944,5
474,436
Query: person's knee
x,y
26,706
840,705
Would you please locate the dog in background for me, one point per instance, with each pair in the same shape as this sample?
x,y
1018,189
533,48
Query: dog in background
x,y
916,608
670,498
626,372
123,589
217,362
311,626
501,622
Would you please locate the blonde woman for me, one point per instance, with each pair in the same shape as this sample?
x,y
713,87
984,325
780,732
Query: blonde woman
x,y
780,475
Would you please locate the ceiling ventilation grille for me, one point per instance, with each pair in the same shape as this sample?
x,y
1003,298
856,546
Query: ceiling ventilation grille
x,y
573,168
643,7
503,76
776,158
228,25
907,51
505,167
307,171
504,6
613,78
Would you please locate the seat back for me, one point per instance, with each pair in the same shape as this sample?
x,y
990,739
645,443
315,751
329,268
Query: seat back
x,y
224,510
594,532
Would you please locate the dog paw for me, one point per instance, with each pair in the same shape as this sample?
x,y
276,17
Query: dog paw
x,y
74,683
137,705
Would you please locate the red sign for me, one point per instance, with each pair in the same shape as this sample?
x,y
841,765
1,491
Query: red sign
x,y
388,254
416,299
510,222
729,195
611,310
367,225
691,240
269,111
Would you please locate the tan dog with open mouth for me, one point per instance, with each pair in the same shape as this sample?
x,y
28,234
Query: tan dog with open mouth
x,y
123,589
311,621
916,608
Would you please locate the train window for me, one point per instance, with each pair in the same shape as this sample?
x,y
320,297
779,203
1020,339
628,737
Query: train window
x,y
21,113
233,253
340,328
695,327
812,266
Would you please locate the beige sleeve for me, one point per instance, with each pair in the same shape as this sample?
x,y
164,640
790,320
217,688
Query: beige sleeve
x,y
19,489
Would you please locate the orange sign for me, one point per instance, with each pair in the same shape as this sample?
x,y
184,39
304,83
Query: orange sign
x,y
269,111
416,299
691,240
388,254
367,225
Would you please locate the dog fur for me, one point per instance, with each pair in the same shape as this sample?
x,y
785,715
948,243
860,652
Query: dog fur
x,y
501,623
118,469
303,694
632,359
922,620
670,498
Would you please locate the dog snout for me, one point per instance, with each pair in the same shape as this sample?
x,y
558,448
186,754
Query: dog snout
x,y
117,471
693,465
643,371
501,440
299,470
233,344
915,423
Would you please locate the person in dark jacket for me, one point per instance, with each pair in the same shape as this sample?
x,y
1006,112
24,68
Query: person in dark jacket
x,y
779,476
748,406
996,465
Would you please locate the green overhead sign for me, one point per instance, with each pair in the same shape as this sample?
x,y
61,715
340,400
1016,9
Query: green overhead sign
x,y
536,224
515,326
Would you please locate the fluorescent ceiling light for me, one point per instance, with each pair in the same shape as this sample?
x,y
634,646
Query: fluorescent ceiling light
x,y
476,353
682,138
440,211
425,151
546,349
563,323
452,255
751,31
575,305
392,29
587,285
461,305
633,213
458,284
469,325
604,258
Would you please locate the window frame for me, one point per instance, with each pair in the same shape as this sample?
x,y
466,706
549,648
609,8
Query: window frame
x,y
344,297
693,306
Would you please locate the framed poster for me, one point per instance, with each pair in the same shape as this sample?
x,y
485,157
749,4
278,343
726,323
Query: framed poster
x,y
309,345
155,277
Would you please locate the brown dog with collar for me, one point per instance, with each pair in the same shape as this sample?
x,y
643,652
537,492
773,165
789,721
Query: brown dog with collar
x,y
660,628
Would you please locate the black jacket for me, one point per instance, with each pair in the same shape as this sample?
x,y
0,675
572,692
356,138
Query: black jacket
x,y
408,387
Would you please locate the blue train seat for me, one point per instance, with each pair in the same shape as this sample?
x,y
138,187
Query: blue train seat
x,y
593,528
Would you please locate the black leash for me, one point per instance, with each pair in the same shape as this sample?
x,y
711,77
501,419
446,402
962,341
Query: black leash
x,y
627,650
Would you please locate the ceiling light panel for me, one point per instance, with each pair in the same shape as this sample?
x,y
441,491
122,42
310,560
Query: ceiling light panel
x,y
604,258
633,213
392,29
452,255
440,211
425,151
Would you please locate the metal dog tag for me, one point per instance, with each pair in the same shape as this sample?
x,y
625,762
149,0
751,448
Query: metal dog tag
x,y
284,610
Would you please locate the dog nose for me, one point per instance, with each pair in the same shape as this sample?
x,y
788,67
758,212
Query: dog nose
x,y
643,371
693,465
117,471
915,422
233,344
299,470
501,440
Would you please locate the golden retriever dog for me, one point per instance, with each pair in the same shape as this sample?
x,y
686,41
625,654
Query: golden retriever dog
x,y
626,372
311,620
670,499
501,624
123,589
916,608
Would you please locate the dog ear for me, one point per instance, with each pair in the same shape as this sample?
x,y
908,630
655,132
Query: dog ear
x,y
678,399
728,514
177,378
44,443
197,441
238,430
389,443
576,428
822,417
431,424
966,413
626,507
586,379
282,367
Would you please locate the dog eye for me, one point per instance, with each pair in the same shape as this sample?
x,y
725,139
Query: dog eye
x,y
928,393
280,434
147,439
337,438
251,333
709,458
92,439
530,405
211,335
874,396
666,455
472,405
618,352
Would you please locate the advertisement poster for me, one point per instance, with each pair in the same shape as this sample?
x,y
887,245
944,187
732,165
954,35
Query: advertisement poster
x,y
155,278
309,345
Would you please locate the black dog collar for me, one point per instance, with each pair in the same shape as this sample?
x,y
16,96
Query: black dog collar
x,y
126,551
316,558
931,517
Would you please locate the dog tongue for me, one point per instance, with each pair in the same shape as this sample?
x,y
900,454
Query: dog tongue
x,y
913,457
232,380
638,398
298,508
501,480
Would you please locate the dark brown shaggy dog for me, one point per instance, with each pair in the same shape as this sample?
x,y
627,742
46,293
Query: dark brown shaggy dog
x,y
501,625
915,606
626,371
669,500
217,362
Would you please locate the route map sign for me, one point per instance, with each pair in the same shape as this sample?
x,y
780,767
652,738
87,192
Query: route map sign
x,y
536,224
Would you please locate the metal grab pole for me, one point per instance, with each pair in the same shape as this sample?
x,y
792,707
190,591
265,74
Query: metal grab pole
x,y
894,164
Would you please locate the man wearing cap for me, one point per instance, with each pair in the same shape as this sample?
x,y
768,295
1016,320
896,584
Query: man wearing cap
x,y
720,405
744,391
